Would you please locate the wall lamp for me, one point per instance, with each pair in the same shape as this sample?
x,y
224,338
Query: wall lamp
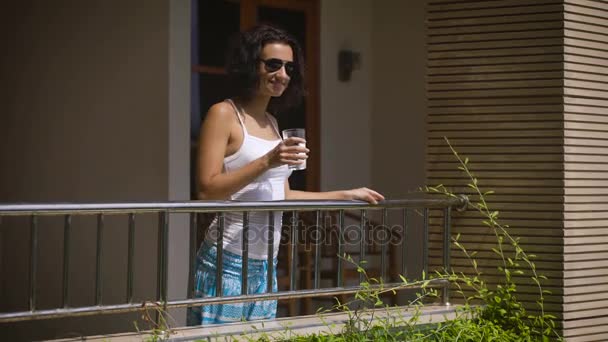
x,y
347,62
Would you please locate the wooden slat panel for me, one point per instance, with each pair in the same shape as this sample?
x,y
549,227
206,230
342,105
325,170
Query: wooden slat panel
x,y
481,69
590,36
585,92
581,101
594,8
498,44
496,12
497,84
502,27
521,51
570,17
601,55
494,60
587,84
521,88
496,141
601,337
548,16
589,322
595,111
570,42
587,272
592,69
584,315
455,6
482,37
576,290
502,78
505,101
491,117
587,117
513,132
585,60
596,264
489,93
517,109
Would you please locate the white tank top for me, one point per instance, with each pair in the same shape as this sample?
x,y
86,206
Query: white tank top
x,y
270,186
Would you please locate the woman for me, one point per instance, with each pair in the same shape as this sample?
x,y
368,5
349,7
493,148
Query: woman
x,y
242,157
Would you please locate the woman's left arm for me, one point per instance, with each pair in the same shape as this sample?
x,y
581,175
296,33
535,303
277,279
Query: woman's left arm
x,y
363,194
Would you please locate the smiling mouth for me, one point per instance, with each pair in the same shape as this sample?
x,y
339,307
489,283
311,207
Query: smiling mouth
x,y
277,82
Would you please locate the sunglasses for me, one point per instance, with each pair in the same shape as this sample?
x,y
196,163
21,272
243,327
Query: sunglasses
x,y
275,64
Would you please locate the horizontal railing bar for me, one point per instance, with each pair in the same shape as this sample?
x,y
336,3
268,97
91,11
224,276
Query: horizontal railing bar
x,y
119,308
222,206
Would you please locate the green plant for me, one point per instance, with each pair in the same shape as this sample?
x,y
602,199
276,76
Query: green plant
x,y
501,305
158,328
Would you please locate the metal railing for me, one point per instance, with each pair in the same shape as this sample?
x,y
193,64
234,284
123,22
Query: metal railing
x,y
164,209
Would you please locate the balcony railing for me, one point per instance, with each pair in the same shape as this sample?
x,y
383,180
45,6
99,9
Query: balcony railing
x,y
34,211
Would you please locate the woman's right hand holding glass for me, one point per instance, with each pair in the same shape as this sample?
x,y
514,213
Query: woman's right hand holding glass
x,y
287,152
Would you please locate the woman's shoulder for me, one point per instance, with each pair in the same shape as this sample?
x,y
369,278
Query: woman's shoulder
x,y
221,111
221,116
223,108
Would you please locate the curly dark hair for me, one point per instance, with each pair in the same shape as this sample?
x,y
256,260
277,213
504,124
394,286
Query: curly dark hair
x,y
243,62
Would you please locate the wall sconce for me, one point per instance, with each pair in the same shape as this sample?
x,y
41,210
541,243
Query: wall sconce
x,y
347,62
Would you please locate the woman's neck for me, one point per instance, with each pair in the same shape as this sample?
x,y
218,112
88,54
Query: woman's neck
x,y
256,106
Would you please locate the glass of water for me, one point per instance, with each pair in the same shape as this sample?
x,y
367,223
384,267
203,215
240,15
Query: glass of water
x,y
300,133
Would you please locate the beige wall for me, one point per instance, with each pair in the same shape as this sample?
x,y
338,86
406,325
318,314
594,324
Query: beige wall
x,y
345,106
372,127
398,115
398,89
84,117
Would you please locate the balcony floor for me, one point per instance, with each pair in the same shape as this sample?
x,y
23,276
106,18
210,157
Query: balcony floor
x,y
281,328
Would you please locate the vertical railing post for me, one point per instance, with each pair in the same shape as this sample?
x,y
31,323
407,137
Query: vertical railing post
x,y
66,260
33,260
446,252
384,246
163,237
165,258
192,252
294,251
219,281
340,282
98,257
271,228
425,242
245,246
162,264
130,257
317,269
362,245
404,244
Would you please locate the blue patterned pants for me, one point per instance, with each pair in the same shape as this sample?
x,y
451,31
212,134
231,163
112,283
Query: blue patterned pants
x,y
205,275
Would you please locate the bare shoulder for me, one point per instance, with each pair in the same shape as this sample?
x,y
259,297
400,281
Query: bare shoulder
x,y
221,110
220,115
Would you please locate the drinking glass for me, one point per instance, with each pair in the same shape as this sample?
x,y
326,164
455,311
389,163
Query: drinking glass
x,y
300,133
